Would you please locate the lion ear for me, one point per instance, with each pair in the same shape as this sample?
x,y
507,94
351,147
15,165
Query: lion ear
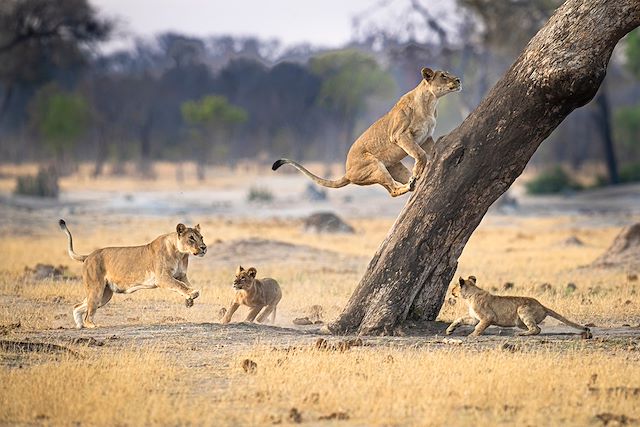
x,y
252,272
181,228
239,270
197,228
461,281
472,278
427,74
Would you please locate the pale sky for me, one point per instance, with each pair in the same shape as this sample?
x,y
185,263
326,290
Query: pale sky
x,y
322,23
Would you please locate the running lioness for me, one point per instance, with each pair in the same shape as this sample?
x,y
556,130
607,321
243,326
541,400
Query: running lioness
x,y
486,309
407,129
161,263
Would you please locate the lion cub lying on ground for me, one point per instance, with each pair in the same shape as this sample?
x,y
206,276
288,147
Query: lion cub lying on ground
x,y
255,294
161,263
486,309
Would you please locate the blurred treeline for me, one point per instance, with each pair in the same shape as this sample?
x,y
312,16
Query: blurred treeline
x,y
219,99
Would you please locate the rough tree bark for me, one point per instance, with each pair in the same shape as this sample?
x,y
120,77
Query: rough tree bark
x,y
560,69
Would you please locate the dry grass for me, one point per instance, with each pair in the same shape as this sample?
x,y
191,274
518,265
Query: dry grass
x,y
173,384
367,386
391,386
133,387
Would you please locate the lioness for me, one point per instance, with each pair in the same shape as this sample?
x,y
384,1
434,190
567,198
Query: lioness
x,y
161,263
255,294
375,157
486,309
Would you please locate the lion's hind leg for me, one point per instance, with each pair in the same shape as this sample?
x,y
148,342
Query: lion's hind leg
x,y
271,308
527,316
369,170
383,177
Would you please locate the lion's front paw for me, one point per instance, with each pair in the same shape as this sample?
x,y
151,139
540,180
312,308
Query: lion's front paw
x,y
448,332
188,302
195,294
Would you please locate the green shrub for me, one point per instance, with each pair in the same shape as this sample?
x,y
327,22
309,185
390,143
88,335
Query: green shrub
x,y
260,194
552,181
44,184
630,173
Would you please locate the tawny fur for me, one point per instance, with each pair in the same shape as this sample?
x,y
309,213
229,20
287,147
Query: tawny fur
x,y
161,263
407,129
486,309
255,294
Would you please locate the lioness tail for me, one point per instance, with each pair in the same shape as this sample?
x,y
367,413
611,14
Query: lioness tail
x,y
72,254
337,183
564,320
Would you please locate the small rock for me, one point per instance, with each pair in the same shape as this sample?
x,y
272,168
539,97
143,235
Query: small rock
x,y
573,241
302,321
571,287
326,222
249,366
507,285
586,335
335,416
295,416
89,342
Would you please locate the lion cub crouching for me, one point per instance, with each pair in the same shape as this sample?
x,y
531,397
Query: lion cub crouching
x,y
486,309
255,294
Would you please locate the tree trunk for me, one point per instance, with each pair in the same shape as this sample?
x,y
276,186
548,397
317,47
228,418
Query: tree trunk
x,y
604,123
560,69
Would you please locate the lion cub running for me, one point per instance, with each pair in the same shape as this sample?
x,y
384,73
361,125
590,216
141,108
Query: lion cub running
x,y
255,294
161,263
486,309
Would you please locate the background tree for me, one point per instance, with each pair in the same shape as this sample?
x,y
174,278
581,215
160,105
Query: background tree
x,y
40,37
349,79
210,120
60,119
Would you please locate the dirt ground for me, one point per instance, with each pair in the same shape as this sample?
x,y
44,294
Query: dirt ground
x,y
159,362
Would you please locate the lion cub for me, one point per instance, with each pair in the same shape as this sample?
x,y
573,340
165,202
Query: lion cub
x,y
255,294
486,309
161,263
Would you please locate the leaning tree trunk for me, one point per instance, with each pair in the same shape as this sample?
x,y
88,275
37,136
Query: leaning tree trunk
x,y
560,69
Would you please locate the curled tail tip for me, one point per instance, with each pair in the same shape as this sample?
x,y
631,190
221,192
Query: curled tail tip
x,y
278,163
62,224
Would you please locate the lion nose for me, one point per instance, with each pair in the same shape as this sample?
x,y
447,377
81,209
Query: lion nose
x,y
203,249
458,81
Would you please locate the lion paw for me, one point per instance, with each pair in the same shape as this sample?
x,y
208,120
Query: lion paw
x,y
194,294
188,302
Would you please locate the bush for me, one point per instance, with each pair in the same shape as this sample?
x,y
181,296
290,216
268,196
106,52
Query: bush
x,y
630,173
552,181
260,194
44,184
